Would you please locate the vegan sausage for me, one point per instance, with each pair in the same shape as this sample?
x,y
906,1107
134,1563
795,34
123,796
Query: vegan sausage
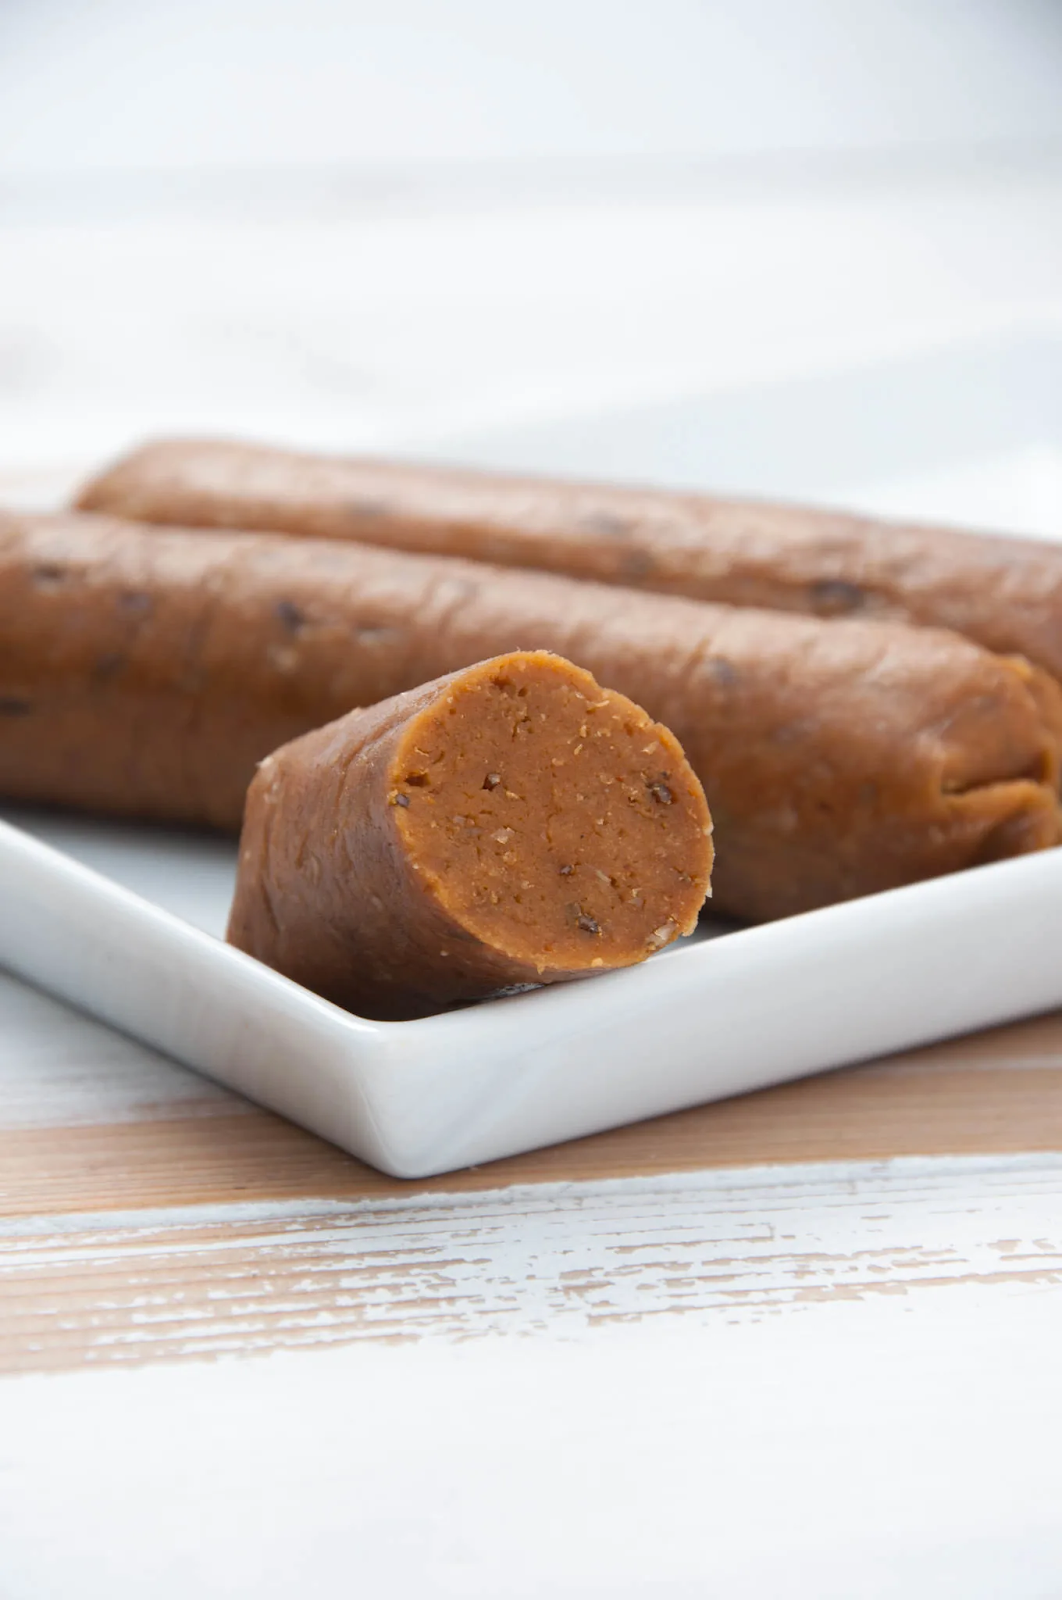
x,y
509,824
1004,593
146,671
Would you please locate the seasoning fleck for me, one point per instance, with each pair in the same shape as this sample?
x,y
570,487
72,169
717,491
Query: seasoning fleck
x,y
492,780
400,799
367,510
566,871
290,615
587,924
608,523
637,564
720,671
661,793
107,665
834,595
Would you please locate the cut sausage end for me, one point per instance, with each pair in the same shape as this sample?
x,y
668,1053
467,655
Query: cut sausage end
x,y
512,823
552,820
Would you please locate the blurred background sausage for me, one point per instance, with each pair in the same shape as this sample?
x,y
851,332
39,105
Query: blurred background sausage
x,y
146,671
1004,593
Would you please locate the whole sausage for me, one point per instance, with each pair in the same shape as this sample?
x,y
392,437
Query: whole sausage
x,y
1004,593
511,823
145,672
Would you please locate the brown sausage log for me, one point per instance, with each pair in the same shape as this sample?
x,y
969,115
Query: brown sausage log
x,y
509,824
1004,593
145,671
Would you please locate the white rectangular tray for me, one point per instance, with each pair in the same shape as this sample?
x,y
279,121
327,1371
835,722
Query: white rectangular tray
x,y
126,922
714,1018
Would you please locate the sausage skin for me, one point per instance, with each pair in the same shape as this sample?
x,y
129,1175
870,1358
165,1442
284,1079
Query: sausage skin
x,y
146,671
1004,593
509,824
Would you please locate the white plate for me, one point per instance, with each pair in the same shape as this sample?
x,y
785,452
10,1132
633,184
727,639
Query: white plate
x,y
125,922
715,1018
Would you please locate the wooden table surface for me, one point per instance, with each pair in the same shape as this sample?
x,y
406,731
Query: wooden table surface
x,y
127,1182
234,1360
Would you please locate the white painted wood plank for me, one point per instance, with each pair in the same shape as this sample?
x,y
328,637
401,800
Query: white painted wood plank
x,y
908,1448
556,1259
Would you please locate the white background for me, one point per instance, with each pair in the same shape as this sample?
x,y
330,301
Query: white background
x,y
344,222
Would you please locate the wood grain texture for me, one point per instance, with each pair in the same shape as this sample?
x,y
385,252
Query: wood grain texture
x,y
188,1228
563,1258
899,1446
996,1092
147,1215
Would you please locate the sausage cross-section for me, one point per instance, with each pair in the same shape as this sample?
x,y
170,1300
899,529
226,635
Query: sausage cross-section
x,y
511,823
1004,593
145,671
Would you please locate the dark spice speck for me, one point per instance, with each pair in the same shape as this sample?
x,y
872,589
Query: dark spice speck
x,y
108,665
608,523
566,871
720,670
834,595
290,615
587,924
400,799
367,510
661,793
14,706
638,564
492,780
